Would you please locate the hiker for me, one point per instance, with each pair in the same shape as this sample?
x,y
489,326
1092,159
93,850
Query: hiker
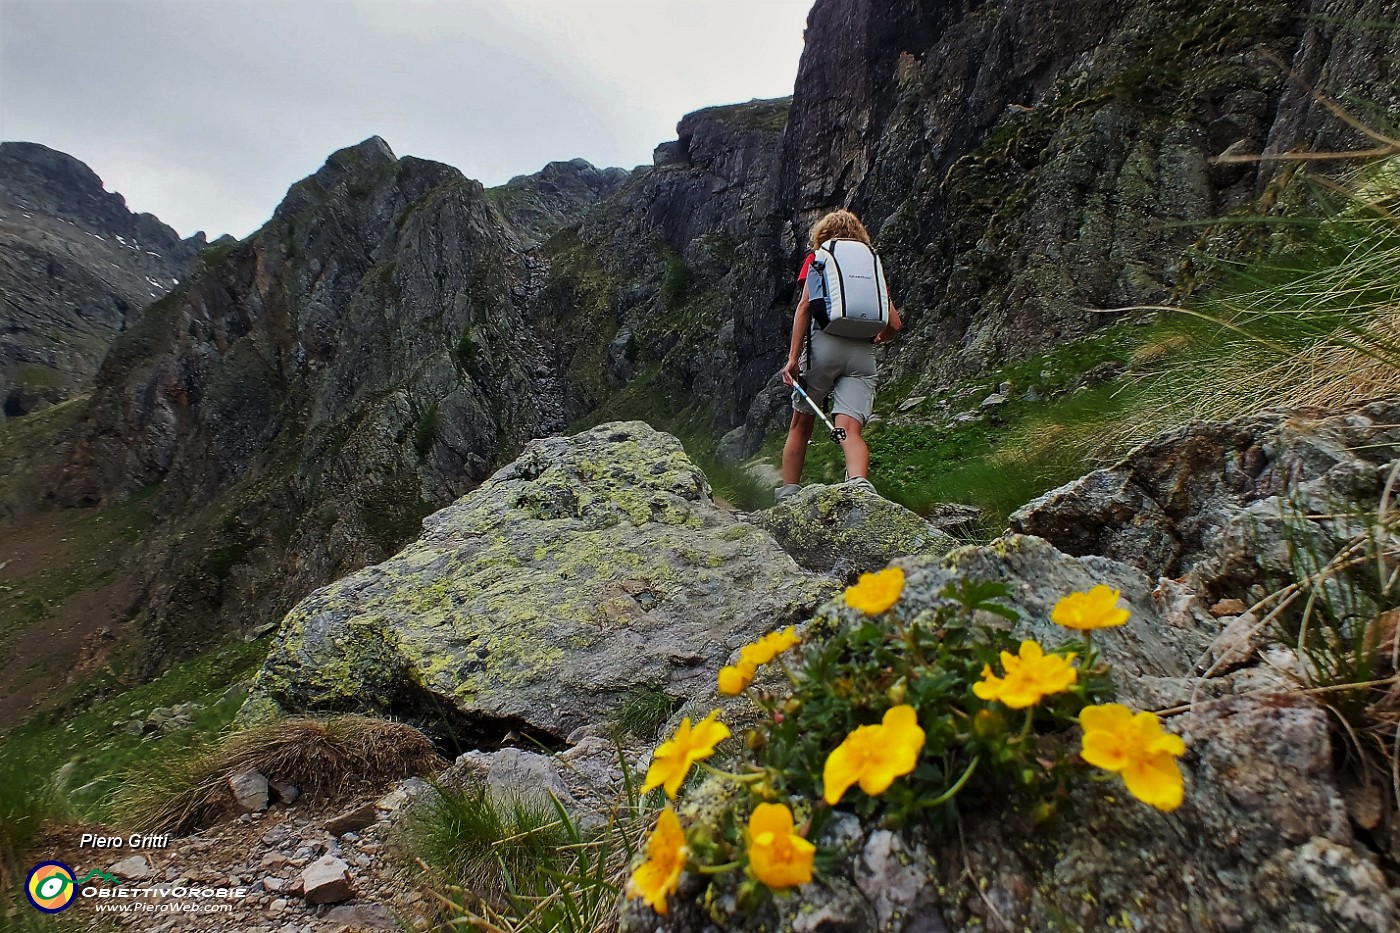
x,y
842,367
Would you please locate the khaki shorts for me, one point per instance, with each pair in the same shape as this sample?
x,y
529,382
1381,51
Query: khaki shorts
x,y
843,369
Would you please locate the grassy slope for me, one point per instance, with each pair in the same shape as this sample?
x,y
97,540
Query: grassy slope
x,y
920,457
92,749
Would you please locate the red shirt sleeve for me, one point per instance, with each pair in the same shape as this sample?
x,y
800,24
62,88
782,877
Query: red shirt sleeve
x,y
802,276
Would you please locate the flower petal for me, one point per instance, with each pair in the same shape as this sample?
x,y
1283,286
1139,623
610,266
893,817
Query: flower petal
x,y
1156,780
845,764
773,818
1114,717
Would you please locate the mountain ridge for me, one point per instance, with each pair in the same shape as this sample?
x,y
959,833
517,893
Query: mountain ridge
x,y
76,266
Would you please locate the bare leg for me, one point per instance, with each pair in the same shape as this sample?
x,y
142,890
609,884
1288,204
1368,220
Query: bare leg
x,y
795,450
857,454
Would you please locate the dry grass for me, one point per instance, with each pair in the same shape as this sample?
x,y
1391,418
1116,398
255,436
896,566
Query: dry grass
x,y
1337,371
1316,326
327,759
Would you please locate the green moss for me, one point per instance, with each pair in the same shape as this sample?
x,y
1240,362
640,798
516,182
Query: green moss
x,y
393,513
33,376
722,246
675,284
211,256
768,116
577,303
466,352
426,431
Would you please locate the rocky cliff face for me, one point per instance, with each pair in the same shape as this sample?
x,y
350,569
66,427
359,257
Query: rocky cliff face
x,y
662,289
75,268
1023,163
392,336
554,197
316,389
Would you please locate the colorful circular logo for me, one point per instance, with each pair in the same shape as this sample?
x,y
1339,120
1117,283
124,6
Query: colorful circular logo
x,y
50,887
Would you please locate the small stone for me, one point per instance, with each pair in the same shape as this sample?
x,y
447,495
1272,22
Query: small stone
x,y
278,905
368,917
135,868
1228,607
274,884
250,791
993,400
1365,806
914,401
1237,643
326,881
285,793
402,794
267,628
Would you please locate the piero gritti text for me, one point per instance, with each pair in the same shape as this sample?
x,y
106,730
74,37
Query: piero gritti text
x,y
134,841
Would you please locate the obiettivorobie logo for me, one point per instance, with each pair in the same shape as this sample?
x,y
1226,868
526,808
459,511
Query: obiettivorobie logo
x,y
50,887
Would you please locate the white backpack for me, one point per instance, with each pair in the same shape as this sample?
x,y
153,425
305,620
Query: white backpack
x,y
846,290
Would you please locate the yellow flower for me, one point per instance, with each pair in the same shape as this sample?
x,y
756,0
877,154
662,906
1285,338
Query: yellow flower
x,y
1135,746
779,857
671,761
660,875
782,641
875,755
1029,678
734,678
1097,608
876,592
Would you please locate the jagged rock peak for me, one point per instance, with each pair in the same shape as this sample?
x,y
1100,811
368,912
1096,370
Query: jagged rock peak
x,y
571,169
43,180
705,134
77,267
556,196
355,169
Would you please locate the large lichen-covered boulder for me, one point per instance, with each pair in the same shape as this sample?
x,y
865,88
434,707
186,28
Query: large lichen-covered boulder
x,y
591,566
1262,841
845,530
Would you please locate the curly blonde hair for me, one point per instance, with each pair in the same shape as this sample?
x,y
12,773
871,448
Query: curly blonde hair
x,y
839,225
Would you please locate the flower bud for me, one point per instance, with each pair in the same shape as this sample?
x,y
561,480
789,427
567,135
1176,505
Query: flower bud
x,y
897,691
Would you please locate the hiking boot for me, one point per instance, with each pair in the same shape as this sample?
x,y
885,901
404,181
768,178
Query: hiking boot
x,y
860,482
782,492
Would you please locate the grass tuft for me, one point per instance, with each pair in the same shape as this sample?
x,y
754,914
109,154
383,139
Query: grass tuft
x,y
482,842
330,759
644,710
513,867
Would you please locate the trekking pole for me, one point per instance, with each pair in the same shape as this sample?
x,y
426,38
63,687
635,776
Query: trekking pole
x,y
837,434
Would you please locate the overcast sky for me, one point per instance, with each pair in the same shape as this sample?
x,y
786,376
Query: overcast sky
x,y
203,112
